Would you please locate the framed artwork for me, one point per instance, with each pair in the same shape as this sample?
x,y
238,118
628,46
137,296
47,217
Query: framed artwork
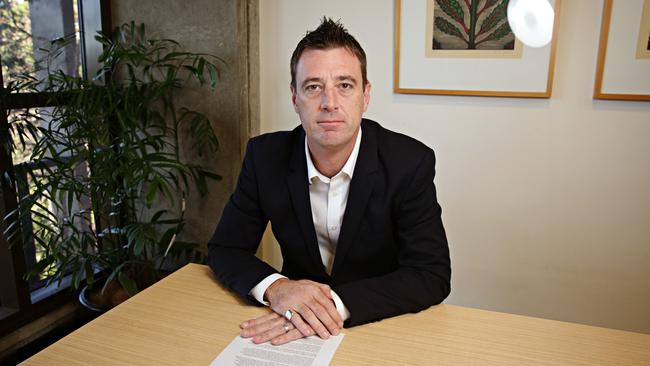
x,y
466,47
623,71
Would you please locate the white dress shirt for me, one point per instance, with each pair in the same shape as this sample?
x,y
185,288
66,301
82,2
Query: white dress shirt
x,y
328,198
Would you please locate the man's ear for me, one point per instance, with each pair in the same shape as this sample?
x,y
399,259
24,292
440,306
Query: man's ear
x,y
366,96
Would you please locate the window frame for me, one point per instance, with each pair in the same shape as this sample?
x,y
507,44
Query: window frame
x,y
19,305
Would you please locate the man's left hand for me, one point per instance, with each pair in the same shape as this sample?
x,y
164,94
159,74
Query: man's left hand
x,y
271,327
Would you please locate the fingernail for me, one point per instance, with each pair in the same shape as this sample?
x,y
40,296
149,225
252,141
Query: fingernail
x,y
244,324
335,332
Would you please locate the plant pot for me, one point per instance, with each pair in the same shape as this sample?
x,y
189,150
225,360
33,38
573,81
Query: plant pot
x,y
99,302
84,300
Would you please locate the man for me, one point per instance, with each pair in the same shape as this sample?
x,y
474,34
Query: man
x,y
352,205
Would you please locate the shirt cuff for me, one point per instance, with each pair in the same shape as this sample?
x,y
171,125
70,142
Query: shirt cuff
x,y
340,307
258,291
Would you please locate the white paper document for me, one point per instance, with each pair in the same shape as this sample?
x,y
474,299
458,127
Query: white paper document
x,y
310,351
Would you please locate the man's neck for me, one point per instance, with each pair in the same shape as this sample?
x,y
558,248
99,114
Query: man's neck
x,y
330,161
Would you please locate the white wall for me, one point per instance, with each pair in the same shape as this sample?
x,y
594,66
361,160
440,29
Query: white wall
x,y
546,202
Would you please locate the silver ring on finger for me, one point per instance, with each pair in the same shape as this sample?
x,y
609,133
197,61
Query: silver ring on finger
x,y
288,314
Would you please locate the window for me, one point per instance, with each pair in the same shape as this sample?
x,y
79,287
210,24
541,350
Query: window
x,y
27,29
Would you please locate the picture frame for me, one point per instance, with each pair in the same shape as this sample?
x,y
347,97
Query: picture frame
x,y
623,68
525,73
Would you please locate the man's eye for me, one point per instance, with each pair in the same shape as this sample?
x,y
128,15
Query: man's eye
x,y
346,86
312,87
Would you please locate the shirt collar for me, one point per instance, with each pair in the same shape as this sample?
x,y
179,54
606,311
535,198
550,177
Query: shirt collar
x,y
348,168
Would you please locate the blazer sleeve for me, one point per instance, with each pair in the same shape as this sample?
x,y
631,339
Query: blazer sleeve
x,y
231,251
423,276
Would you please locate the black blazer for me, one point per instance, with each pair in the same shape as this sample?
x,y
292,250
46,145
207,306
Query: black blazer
x,y
392,255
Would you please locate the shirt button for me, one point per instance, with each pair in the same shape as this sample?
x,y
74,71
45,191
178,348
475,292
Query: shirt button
x,y
332,227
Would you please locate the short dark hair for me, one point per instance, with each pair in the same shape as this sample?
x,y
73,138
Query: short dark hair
x,y
328,35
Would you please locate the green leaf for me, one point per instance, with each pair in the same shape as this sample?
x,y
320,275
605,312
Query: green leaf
x,y
151,191
157,215
199,69
165,240
135,237
111,276
76,277
202,132
90,278
200,182
70,202
127,283
137,248
498,14
213,73
165,188
453,9
142,34
444,26
174,55
210,174
499,33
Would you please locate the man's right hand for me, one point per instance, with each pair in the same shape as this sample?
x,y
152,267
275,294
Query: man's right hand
x,y
312,300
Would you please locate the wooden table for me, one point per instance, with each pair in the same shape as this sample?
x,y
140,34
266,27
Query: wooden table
x,y
188,318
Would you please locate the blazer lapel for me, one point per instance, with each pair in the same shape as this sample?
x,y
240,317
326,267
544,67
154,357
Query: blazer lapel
x,y
299,192
360,189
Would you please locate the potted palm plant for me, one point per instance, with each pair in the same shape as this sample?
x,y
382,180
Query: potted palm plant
x,y
108,175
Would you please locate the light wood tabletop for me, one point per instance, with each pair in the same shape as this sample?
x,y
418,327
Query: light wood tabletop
x,y
188,318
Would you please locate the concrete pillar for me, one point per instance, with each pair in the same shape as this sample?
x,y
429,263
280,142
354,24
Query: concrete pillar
x,y
228,29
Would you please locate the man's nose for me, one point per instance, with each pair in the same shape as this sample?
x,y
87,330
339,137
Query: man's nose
x,y
329,100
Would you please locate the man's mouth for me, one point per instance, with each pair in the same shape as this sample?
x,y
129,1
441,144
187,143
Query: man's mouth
x,y
329,122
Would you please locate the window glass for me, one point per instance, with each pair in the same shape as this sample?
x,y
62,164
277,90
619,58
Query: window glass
x,y
37,37
39,34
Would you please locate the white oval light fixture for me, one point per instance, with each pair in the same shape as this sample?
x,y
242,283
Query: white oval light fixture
x,y
531,21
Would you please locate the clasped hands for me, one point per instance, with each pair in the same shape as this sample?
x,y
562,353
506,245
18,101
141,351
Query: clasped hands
x,y
312,312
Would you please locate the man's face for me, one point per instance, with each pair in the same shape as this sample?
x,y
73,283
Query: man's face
x,y
329,97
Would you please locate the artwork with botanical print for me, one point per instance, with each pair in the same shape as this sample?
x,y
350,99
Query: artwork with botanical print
x,y
471,25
